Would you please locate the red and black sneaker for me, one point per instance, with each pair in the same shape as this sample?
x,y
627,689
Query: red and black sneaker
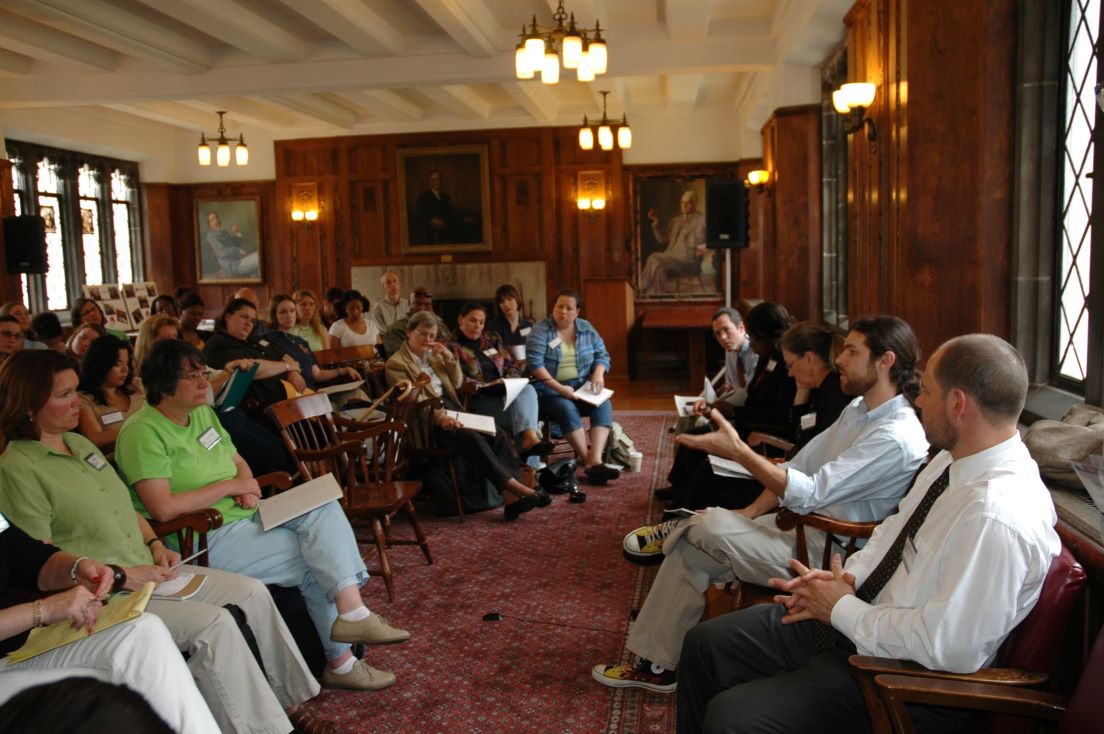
x,y
645,674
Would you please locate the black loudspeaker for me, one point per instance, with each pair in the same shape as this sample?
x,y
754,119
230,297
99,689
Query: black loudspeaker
x,y
726,215
25,244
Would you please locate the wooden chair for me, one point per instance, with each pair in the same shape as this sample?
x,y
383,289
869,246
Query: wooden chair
x,y
1078,714
1025,659
345,356
364,463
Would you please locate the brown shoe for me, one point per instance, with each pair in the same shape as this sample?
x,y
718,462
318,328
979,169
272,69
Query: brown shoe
x,y
372,630
307,723
363,677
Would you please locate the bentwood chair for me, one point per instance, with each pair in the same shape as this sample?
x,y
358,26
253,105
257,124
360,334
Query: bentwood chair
x,y
365,464
1025,660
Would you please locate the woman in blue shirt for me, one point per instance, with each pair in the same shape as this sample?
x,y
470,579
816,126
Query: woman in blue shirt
x,y
565,352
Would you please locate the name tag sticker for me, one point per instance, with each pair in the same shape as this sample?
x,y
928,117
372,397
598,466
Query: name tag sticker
x,y
555,343
808,421
95,461
263,342
111,418
492,352
524,331
771,365
908,554
209,438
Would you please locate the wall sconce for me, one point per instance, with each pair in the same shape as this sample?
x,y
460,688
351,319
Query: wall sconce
x,y
852,101
591,197
304,203
759,180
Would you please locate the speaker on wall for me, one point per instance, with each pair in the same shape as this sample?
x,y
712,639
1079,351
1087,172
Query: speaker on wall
x,y
726,214
25,244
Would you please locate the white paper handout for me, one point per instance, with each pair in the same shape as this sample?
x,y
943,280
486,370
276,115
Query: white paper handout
x,y
344,387
684,404
585,392
709,394
728,468
286,506
1091,474
184,586
474,421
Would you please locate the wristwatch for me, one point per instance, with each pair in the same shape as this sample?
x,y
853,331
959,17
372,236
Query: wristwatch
x,y
120,578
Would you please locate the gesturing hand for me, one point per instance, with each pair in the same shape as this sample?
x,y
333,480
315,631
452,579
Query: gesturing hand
x,y
724,441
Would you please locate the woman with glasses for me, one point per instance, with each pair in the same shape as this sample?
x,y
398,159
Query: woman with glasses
x,y
178,459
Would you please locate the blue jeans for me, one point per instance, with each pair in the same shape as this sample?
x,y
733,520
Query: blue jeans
x,y
520,417
568,414
316,552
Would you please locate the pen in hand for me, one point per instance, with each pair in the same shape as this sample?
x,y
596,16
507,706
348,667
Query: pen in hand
x,y
180,563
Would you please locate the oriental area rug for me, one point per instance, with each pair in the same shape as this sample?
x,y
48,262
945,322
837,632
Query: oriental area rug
x,y
557,579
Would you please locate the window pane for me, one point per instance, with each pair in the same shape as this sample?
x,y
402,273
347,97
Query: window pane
x,y
123,261
48,206
1075,248
90,239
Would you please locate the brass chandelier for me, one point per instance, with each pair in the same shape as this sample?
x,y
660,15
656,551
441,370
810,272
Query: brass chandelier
x,y
605,128
541,48
222,151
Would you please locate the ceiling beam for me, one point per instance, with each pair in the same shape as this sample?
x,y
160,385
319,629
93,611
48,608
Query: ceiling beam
x,y
537,99
320,108
388,100
128,33
242,109
683,91
460,100
39,41
171,113
13,63
359,25
466,23
233,23
687,20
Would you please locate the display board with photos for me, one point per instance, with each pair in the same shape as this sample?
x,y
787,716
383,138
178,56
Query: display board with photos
x,y
124,305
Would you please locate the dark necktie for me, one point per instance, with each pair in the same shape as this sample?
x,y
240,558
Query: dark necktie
x,y
824,635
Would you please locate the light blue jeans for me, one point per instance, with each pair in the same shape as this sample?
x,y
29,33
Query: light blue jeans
x,y
316,552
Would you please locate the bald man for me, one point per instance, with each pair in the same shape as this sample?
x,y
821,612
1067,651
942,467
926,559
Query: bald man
x,y
685,240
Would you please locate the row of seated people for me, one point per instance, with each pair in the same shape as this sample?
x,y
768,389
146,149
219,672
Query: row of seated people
x,y
173,457
964,545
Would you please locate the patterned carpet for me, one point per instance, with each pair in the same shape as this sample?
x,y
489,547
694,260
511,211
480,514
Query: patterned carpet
x,y
564,591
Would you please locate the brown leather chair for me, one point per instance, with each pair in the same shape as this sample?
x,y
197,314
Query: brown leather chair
x,y
1078,714
1025,659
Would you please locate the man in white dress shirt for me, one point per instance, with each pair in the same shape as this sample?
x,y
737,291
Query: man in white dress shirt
x,y
942,582
858,469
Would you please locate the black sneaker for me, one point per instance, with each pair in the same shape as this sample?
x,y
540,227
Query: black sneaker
x,y
645,674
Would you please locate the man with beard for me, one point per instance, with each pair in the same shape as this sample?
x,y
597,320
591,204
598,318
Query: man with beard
x,y
858,469
942,582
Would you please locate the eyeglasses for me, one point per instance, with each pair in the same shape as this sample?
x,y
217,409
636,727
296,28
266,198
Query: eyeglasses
x,y
246,317
195,376
789,365
11,334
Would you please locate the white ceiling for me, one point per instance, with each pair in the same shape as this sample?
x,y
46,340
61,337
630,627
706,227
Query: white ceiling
x,y
329,67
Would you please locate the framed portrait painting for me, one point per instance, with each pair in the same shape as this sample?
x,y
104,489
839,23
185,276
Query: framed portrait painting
x,y
672,260
228,240
444,199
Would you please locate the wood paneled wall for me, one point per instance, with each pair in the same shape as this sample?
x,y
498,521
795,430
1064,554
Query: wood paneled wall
x,y
930,207
10,289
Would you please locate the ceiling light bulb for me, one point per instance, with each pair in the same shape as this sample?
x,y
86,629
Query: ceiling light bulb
x,y
203,151
241,152
598,56
605,137
222,156
572,50
522,68
550,70
584,72
586,138
624,137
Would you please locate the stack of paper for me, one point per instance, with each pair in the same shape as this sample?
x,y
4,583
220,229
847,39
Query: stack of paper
x,y
286,506
474,421
588,394
728,468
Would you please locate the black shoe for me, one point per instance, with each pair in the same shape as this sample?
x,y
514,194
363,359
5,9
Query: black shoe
x,y
601,473
665,493
577,497
540,448
539,498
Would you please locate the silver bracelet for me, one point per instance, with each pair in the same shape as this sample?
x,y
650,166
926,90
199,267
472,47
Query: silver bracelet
x,y
73,570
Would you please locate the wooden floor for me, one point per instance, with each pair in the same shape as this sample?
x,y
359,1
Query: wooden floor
x,y
652,393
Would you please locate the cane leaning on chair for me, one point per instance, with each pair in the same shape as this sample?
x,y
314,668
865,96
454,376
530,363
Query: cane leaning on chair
x,y
494,457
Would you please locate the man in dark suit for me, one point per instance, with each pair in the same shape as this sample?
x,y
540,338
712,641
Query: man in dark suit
x,y
434,214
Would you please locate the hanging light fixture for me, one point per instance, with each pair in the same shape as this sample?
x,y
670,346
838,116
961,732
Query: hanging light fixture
x,y
222,149
546,48
605,131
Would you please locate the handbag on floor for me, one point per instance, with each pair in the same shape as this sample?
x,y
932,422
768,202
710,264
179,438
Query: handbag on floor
x,y
559,477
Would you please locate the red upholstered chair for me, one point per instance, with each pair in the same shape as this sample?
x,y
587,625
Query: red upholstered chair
x,y
1025,659
1079,714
